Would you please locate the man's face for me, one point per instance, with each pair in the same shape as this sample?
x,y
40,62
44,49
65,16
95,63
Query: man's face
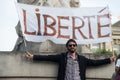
x,y
72,47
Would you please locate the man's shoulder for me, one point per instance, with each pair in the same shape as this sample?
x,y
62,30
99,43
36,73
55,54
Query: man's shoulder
x,y
81,56
63,53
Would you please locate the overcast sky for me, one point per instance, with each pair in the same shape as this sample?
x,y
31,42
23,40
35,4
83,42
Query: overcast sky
x,y
9,19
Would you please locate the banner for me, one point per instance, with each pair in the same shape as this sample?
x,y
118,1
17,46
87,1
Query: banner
x,y
86,25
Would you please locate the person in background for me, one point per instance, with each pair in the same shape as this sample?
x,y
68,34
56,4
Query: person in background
x,y
116,74
72,66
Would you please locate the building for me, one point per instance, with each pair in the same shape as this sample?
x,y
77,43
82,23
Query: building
x,y
115,44
116,36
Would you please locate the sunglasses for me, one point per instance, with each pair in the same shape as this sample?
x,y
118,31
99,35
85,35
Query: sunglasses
x,y
70,45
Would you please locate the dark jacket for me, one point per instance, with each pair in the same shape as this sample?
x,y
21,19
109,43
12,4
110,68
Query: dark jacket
x,y
61,59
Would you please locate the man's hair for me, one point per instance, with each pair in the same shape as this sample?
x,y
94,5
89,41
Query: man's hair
x,y
71,40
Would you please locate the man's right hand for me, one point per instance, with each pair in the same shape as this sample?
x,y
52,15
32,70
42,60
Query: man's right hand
x,y
29,55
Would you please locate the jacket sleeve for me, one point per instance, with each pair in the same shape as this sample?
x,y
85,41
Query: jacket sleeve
x,y
91,62
53,58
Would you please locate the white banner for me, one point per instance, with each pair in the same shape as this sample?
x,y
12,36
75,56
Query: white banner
x,y
85,25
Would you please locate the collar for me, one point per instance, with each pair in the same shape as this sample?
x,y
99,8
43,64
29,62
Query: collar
x,y
68,56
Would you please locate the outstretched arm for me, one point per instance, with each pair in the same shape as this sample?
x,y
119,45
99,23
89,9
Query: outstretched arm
x,y
101,61
52,58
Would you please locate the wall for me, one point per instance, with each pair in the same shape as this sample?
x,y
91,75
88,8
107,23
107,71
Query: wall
x,y
14,66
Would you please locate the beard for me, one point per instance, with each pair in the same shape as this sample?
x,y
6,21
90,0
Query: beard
x,y
72,50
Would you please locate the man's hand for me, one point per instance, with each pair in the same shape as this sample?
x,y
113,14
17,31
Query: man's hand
x,y
113,58
29,55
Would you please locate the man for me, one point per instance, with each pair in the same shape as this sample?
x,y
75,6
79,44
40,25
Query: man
x,y
72,66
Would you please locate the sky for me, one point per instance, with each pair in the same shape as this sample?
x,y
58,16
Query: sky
x,y
9,19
